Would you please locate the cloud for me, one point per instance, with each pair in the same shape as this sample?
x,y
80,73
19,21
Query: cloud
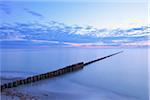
x,y
33,13
59,33
5,8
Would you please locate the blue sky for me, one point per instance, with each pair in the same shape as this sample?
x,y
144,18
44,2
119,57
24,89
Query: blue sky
x,y
83,0
100,14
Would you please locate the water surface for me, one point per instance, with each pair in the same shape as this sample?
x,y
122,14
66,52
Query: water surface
x,y
122,76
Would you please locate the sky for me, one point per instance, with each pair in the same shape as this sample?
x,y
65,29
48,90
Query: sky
x,y
83,0
97,13
84,22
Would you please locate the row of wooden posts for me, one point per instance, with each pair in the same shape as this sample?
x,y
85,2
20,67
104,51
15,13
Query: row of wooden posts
x,y
52,74
39,77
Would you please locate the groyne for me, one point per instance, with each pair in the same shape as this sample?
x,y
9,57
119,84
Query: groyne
x,y
55,73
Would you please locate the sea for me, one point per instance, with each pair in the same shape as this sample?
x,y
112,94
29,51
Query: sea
x,y
120,77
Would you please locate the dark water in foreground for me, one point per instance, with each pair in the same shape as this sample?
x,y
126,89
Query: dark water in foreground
x,y
125,74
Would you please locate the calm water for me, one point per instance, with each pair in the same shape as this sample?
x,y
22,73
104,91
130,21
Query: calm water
x,y
125,74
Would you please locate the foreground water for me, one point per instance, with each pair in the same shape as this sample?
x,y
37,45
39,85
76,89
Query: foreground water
x,y
121,77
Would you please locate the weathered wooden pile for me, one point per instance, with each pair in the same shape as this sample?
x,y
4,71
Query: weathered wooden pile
x,y
39,77
52,74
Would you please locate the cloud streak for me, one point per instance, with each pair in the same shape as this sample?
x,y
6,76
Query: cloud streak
x,y
34,13
5,8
